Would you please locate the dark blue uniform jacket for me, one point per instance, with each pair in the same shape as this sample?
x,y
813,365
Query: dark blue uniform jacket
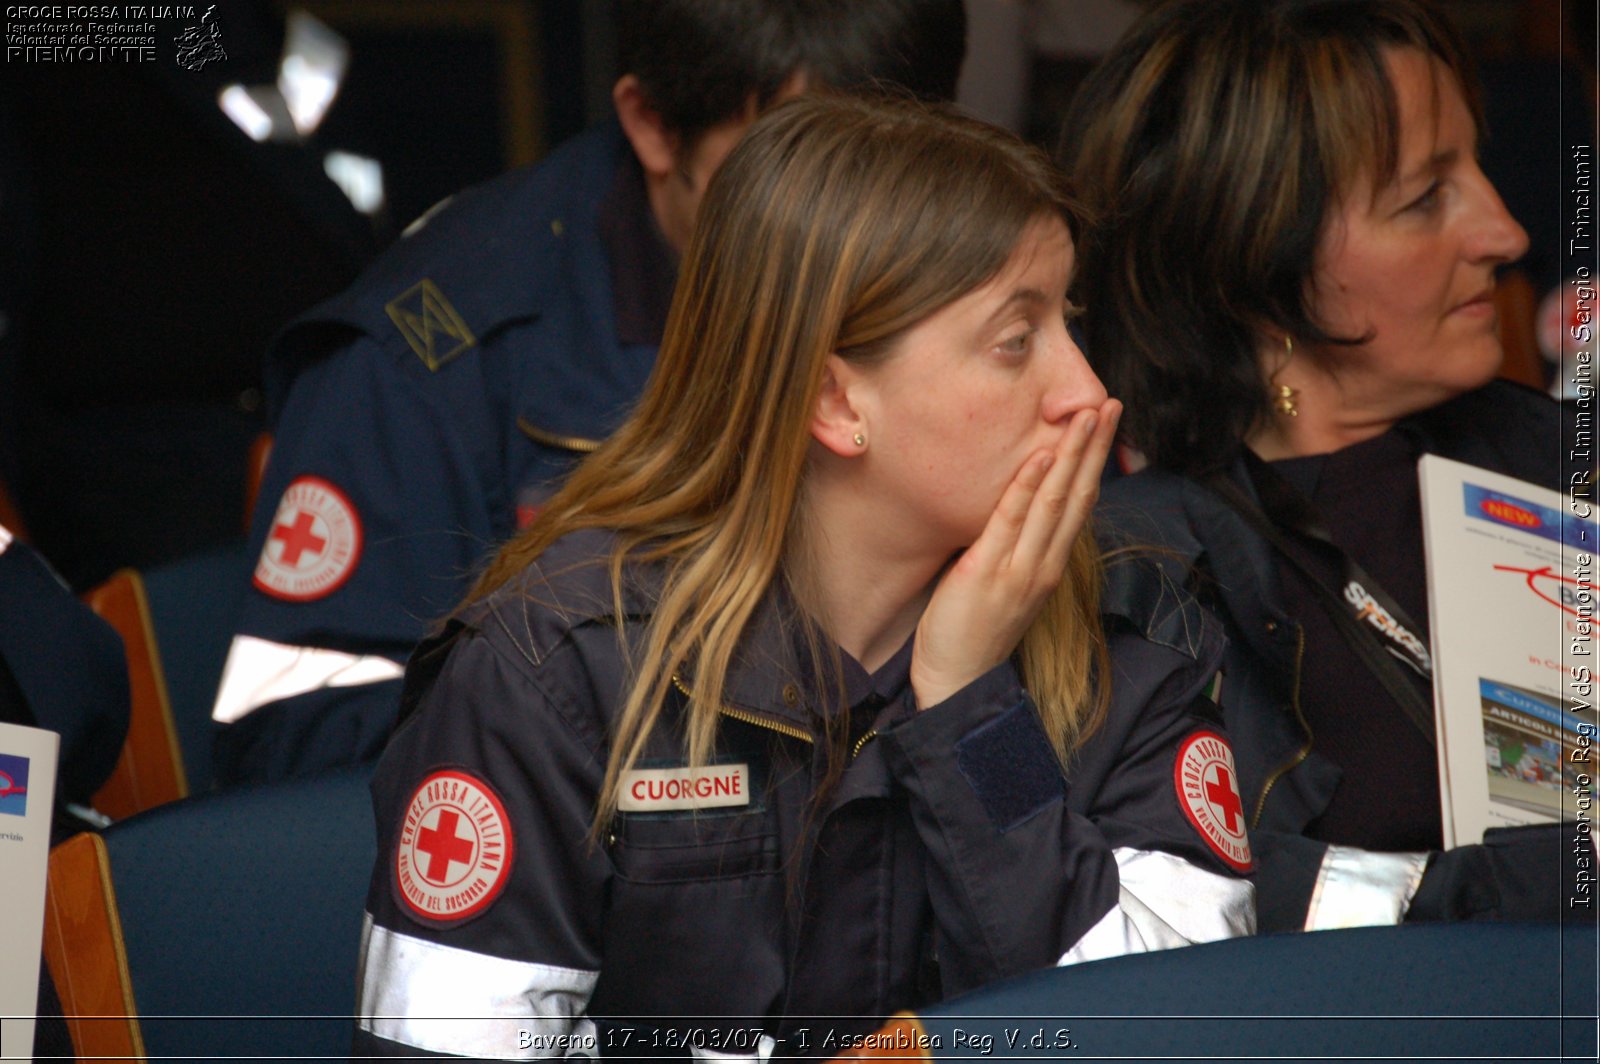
x,y
415,415
62,669
951,851
1206,546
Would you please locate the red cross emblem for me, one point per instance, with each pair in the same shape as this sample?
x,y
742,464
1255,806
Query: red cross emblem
x,y
1221,792
1208,793
453,853
298,538
443,845
314,544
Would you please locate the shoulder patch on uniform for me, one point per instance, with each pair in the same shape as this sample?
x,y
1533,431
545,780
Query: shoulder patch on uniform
x,y
453,856
1208,790
314,544
430,324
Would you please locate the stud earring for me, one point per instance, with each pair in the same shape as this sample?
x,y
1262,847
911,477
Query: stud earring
x,y
860,440
1284,397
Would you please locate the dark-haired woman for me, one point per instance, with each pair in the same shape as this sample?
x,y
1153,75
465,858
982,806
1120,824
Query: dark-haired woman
x,y
801,698
1293,292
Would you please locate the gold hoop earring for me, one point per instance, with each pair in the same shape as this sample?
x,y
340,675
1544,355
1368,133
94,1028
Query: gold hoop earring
x,y
1284,397
860,440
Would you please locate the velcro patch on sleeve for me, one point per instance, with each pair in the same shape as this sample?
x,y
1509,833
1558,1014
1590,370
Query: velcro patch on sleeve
x,y
1208,791
453,856
1011,765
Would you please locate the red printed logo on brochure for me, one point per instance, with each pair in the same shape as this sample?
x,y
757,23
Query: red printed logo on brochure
x,y
13,784
454,853
1208,791
314,544
1553,587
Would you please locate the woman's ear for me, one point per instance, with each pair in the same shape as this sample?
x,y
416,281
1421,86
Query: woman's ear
x,y
838,423
654,144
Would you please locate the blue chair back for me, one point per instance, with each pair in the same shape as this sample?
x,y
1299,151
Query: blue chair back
x,y
241,917
1459,991
194,603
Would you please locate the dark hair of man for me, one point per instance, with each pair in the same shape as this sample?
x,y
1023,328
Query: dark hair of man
x,y
1213,144
700,62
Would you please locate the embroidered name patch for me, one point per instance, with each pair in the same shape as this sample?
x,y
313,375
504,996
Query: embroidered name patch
x,y
454,853
662,790
314,544
1208,791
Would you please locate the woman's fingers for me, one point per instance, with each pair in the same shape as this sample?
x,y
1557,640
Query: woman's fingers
x,y
990,595
996,543
1051,503
1084,489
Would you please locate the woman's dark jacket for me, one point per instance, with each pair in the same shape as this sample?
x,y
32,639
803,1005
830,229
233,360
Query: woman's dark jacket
x,y
1206,546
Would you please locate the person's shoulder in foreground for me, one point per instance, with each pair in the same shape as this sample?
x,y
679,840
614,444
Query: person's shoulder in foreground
x,y
62,669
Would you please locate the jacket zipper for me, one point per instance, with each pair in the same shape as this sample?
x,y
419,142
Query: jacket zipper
x,y
749,718
1299,715
761,722
579,444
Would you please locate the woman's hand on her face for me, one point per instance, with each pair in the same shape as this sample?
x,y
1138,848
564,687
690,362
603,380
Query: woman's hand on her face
x,y
992,592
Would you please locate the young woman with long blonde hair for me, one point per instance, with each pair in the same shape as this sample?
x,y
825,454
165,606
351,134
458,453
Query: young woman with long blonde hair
x,y
802,697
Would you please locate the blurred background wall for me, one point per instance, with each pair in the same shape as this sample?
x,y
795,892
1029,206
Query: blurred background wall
x,y
164,211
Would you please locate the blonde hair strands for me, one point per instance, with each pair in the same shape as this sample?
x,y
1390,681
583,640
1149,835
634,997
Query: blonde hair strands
x,y
833,226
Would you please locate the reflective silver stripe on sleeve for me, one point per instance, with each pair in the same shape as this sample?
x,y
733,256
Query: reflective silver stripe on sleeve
x,y
1360,888
448,1000
259,671
1164,901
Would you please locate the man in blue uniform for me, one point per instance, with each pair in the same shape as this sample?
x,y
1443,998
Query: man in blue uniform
x,y
420,416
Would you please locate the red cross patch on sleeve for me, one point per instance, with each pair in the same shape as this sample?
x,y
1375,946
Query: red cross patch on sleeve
x,y
314,544
454,853
1208,790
